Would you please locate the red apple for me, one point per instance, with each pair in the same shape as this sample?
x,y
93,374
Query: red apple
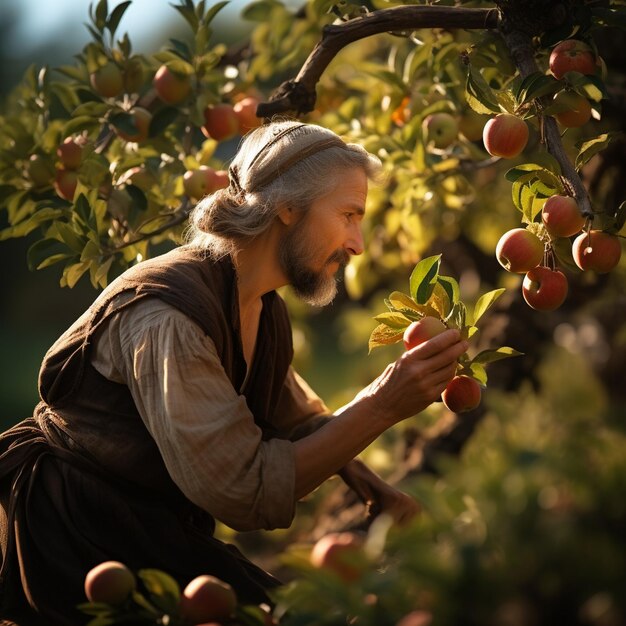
x,y
597,251
245,110
519,250
108,80
571,109
440,130
65,183
416,618
207,599
462,394
341,553
572,55
505,135
141,118
221,179
171,86
561,216
198,183
70,153
40,170
110,582
544,289
220,122
422,330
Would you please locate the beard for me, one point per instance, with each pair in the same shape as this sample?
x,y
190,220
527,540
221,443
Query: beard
x,y
296,255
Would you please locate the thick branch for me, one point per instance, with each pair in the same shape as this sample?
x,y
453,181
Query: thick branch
x,y
521,48
299,94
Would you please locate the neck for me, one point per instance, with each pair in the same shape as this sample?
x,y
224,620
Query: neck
x,y
258,271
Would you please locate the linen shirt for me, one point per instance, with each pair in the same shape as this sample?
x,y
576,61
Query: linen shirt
x,y
203,428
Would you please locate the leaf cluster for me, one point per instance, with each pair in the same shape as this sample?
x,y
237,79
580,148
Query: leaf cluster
x,y
432,294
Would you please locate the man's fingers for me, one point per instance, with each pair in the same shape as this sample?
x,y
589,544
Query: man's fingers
x,y
437,344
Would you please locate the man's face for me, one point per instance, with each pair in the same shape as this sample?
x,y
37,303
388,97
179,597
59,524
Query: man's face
x,y
322,240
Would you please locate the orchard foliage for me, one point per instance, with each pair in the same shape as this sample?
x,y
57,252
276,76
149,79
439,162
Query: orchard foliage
x,y
102,160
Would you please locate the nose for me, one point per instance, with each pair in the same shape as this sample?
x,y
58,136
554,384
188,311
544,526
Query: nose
x,y
355,244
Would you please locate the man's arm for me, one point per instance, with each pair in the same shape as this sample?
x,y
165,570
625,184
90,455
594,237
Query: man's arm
x,y
405,388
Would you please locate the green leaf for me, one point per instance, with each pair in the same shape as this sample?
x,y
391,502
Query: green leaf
x,y
393,320
45,249
479,94
34,221
213,11
164,590
102,10
562,248
536,85
457,316
423,278
478,372
383,335
77,124
591,147
189,15
451,287
485,301
73,273
161,120
116,15
490,356
259,11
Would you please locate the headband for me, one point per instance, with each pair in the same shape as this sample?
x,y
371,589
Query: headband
x,y
332,141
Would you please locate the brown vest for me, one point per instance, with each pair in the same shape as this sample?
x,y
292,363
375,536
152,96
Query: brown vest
x,y
100,416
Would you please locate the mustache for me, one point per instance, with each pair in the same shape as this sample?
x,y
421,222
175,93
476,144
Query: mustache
x,y
339,256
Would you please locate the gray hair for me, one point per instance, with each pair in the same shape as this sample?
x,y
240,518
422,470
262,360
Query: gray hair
x,y
279,164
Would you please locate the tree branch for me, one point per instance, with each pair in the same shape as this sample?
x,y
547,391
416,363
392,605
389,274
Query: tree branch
x,y
522,51
299,94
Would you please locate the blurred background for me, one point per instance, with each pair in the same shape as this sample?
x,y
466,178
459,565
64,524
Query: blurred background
x,y
34,309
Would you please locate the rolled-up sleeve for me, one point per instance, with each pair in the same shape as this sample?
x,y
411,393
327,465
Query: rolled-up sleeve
x,y
203,427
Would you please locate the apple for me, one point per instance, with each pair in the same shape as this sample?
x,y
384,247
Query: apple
x,y
597,251
572,55
70,153
108,80
65,183
571,109
462,394
544,289
110,582
561,216
141,118
221,179
220,122
198,183
505,135
519,250
416,618
440,130
422,330
341,553
471,125
40,170
171,86
245,110
207,599
139,176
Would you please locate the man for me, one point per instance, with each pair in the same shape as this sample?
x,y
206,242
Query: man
x,y
172,402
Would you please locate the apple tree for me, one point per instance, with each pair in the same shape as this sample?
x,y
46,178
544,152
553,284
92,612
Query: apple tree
x,y
499,126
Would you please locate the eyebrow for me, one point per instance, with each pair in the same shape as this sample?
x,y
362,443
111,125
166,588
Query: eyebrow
x,y
357,208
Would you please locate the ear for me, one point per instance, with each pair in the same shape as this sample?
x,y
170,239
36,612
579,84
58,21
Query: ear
x,y
286,215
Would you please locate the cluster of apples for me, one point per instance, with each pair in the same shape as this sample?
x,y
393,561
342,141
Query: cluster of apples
x,y
463,393
206,599
506,135
522,251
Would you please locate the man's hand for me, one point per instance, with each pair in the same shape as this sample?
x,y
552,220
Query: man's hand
x,y
416,379
377,495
